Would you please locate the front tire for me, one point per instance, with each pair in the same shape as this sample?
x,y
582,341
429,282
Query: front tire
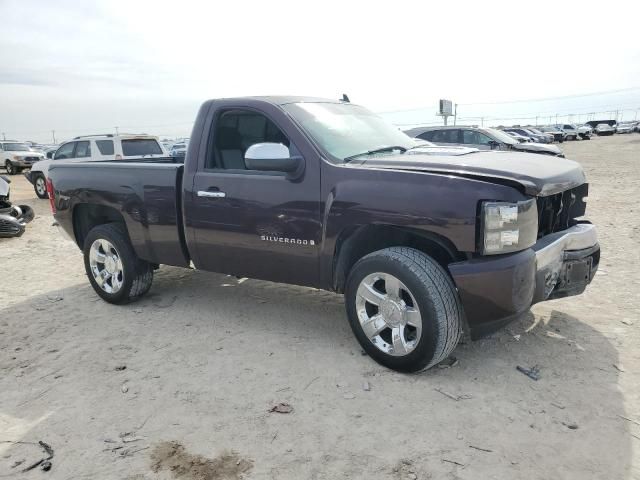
x,y
10,168
403,308
115,272
40,185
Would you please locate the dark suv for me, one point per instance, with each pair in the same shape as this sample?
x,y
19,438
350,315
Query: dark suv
x,y
480,138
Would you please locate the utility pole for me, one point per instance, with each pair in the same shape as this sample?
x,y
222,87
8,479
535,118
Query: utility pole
x,y
556,118
53,134
482,121
455,113
536,120
117,133
4,137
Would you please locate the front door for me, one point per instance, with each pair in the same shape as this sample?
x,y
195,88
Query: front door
x,y
252,223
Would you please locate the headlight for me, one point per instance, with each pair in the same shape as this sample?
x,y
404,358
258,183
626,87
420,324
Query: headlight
x,y
17,157
508,227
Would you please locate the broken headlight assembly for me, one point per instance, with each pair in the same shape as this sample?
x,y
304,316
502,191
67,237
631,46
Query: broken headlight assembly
x,y
508,227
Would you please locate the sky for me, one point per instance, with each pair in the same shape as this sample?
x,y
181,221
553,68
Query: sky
x,y
81,67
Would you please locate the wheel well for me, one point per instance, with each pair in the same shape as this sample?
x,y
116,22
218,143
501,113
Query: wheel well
x,y
355,243
87,216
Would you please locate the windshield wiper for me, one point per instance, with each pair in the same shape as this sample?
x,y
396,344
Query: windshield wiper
x,y
390,148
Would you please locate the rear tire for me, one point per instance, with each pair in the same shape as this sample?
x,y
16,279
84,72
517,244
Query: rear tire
x,y
40,185
425,295
109,259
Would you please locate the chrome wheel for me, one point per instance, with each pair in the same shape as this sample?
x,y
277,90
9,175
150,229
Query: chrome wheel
x,y
106,266
389,314
41,187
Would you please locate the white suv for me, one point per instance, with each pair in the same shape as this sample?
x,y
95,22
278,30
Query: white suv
x,y
94,148
17,155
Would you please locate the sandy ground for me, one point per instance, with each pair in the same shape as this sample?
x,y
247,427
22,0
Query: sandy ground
x,y
207,356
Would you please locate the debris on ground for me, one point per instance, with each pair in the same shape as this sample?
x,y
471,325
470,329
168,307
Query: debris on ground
x,y
366,387
282,407
405,470
120,368
348,396
173,457
446,460
626,321
452,396
44,463
124,388
619,367
629,419
557,405
480,449
571,426
448,362
533,373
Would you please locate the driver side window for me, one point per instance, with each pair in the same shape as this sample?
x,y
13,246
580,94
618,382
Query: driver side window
x,y
234,132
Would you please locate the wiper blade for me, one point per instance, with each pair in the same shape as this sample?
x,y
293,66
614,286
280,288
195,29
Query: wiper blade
x,y
389,148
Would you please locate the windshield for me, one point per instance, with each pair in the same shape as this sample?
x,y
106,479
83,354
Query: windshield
x,y
501,136
16,147
344,130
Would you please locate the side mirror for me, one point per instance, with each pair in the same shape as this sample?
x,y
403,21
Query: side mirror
x,y
493,144
271,157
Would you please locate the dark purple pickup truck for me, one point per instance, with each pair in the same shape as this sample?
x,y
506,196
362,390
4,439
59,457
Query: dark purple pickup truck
x,y
426,248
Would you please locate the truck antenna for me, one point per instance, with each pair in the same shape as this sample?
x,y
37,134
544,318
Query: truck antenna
x,y
345,98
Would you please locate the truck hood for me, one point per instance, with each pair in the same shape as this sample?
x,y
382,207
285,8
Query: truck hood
x,y
537,147
538,175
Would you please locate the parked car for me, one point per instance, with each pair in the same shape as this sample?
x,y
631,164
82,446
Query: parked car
x,y
13,218
327,194
17,156
627,127
50,151
558,135
604,129
179,151
94,148
518,137
480,138
585,132
594,123
571,132
549,138
538,138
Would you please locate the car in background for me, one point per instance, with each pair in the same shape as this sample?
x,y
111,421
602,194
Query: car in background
x,y
95,148
50,151
481,138
518,137
604,129
16,156
179,150
558,135
626,127
585,132
549,138
570,130
526,132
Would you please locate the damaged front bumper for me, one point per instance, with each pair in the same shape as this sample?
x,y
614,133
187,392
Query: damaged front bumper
x,y
13,220
496,290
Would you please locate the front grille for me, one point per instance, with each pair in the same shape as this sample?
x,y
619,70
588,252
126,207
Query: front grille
x,y
31,159
560,211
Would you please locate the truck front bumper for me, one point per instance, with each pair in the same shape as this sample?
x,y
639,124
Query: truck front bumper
x,y
497,290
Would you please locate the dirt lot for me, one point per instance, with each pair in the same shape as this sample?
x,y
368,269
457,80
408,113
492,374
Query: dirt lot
x,y
207,356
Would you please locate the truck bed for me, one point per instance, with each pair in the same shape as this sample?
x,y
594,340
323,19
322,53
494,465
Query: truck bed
x,y
146,193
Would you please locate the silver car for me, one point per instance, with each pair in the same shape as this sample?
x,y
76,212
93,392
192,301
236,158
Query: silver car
x,y
480,138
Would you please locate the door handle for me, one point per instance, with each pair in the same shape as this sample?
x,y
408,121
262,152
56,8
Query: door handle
x,y
205,193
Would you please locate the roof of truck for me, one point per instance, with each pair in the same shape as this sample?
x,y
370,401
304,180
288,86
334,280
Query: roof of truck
x,y
285,99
